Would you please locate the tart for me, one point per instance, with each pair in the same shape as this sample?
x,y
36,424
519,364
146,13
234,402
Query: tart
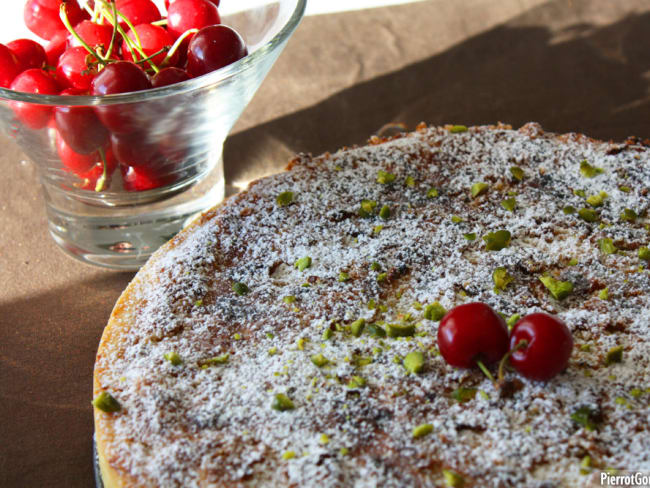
x,y
288,336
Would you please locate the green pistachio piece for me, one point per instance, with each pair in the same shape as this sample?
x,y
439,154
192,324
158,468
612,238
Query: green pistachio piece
x,y
343,277
580,193
589,171
456,219
501,278
453,479
376,330
604,294
625,189
470,236
384,177
382,277
173,358
106,403
367,208
614,355
356,327
375,266
628,215
463,395
356,382
495,241
414,362
206,363
512,320
409,181
596,200
478,189
573,262
422,430
384,213
644,253
303,263
327,334
457,129
284,198
240,288
400,330
282,402
319,360
509,204
432,193
568,210
585,465
588,215
585,417
607,246
434,312
517,173
288,455
289,299
558,289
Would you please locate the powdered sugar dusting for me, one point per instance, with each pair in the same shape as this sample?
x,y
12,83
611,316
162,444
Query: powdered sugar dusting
x,y
188,425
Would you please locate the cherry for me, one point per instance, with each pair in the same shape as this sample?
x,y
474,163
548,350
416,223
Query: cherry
x,y
141,179
72,160
214,47
169,76
76,68
9,66
153,38
191,14
55,47
79,127
92,179
138,12
472,332
545,345
30,54
39,82
119,77
92,34
168,2
130,149
45,21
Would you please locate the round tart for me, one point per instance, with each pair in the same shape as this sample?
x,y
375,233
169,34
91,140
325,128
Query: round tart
x,y
288,336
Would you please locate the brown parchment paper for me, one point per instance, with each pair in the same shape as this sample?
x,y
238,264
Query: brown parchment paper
x,y
573,65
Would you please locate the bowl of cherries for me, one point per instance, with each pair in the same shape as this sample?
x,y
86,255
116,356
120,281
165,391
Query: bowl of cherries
x,y
124,106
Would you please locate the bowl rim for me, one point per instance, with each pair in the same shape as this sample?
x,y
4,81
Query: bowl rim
x,y
203,81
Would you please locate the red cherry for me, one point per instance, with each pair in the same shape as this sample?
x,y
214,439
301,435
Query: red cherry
x,y
169,2
91,177
119,77
39,82
55,47
73,161
79,126
9,66
30,54
153,38
549,346
169,76
130,149
191,14
472,332
76,68
45,22
140,179
92,34
214,47
138,12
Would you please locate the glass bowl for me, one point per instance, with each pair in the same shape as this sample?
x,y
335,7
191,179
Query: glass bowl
x,y
118,218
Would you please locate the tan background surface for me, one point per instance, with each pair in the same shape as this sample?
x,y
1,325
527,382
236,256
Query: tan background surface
x,y
572,65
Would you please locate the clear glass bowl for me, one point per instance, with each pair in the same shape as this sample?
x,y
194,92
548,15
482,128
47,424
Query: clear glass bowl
x,y
108,223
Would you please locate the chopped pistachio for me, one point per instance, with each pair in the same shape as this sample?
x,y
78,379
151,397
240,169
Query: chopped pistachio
x,y
344,451
588,215
173,358
644,253
636,393
198,303
282,402
367,208
377,229
434,312
568,210
596,200
240,288
572,262
614,355
603,294
580,193
361,361
237,336
106,402
509,204
384,177
417,306
517,173
382,277
397,330
324,439
303,263
384,213
414,362
300,343
343,277
478,189
621,401
625,189
462,394
589,171
457,129
512,320
585,417
432,193
484,395
374,266
495,241
356,327
607,246
456,219
558,289
628,215
470,236
453,479
356,382
409,181
289,299
319,360
288,455
327,334
501,278
273,351
221,359
585,465
422,430
284,198
376,330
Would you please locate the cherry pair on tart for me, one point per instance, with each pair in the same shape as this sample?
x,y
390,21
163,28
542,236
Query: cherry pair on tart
x,y
538,347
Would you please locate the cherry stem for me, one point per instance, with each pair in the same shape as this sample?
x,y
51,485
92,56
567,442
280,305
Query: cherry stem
x,y
101,182
113,35
520,345
66,22
486,371
160,22
177,43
